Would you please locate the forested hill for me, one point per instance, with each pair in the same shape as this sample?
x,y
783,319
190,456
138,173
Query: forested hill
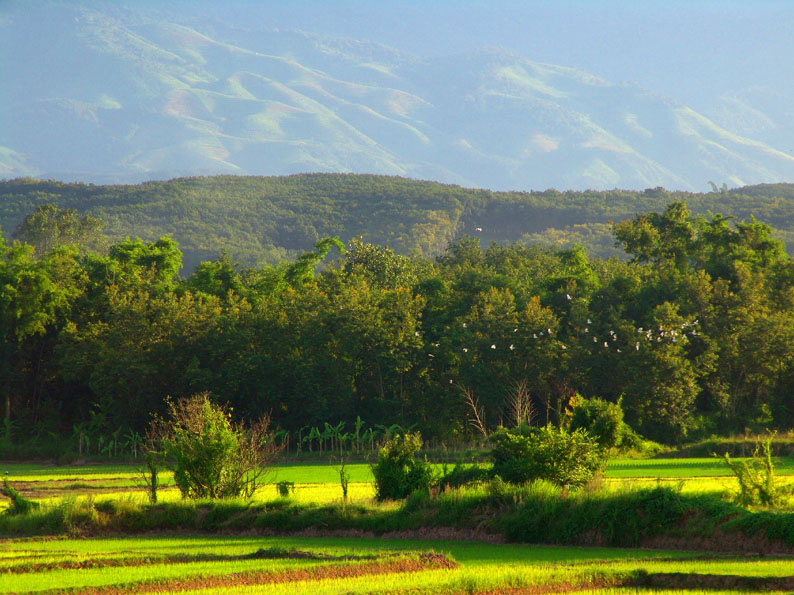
x,y
266,219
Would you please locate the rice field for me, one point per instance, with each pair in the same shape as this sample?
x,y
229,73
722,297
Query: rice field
x,y
255,564
319,483
265,564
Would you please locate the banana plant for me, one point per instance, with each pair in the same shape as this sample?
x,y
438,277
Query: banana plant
x,y
301,439
78,431
358,426
369,435
314,434
132,441
342,440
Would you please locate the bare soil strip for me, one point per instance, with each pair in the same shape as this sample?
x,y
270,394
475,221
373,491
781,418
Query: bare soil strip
x,y
660,580
679,580
425,561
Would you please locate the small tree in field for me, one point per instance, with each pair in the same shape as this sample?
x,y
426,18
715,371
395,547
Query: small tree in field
x,y
211,457
398,471
554,454
602,420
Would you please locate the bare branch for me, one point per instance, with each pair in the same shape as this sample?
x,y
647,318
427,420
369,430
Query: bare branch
x,y
477,413
519,404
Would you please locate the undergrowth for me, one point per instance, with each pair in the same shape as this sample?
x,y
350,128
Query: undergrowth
x,y
538,512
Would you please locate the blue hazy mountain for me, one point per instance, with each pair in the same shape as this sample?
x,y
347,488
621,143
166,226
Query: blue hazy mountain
x,y
105,93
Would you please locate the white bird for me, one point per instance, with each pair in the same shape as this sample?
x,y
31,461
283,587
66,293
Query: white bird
x,y
478,229
515,330
606,344
417,334
589,321
563,346
595,340
548,330
465,350
568,297
512,347
534,335
637,346
464,325
493,345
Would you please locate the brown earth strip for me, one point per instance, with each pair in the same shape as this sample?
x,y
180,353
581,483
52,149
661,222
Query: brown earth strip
x,y
721,541
661,580
679,580
425,561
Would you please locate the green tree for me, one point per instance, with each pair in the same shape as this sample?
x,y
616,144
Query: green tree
x,y
31,302
602,420
554,454
398,472
210,456
49,227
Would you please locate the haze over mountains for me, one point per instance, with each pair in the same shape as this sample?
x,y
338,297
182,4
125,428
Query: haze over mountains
x,y
126,95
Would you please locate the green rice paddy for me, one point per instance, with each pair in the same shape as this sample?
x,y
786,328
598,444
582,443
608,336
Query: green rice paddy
x,y
266,564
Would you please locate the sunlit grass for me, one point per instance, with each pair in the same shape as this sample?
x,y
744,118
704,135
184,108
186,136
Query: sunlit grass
x,y
482,567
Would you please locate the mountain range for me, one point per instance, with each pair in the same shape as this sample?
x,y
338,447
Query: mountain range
x,y
111,94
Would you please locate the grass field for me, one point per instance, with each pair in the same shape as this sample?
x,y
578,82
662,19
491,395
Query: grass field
x,y
319,483
236,563
247,564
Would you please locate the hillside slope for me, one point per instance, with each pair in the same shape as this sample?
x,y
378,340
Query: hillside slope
x,y
264,219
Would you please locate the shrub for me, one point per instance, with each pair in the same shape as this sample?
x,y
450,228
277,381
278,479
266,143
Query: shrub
x,y
602,420
398,471
462,475
210,456
554,454
285,488
756,477
19,504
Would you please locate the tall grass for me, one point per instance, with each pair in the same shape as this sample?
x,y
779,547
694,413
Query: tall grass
x,y
538,512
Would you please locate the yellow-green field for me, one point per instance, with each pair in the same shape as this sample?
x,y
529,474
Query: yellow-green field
x,y
319,483
252,564
266,564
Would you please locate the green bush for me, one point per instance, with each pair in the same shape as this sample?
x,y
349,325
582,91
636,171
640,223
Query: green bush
x,y
554,454
210,456
756,477
602,420
462,475
19,504
399,472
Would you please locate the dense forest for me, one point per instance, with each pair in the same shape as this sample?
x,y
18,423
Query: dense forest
x,y
693,331
264,220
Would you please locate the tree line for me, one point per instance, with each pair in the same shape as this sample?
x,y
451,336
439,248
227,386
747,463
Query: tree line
x,y
692,333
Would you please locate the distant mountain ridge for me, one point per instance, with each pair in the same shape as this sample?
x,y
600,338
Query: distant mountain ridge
x,y
120,95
